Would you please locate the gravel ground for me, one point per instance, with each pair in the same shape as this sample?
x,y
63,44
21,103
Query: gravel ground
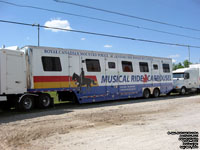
x,y
127,124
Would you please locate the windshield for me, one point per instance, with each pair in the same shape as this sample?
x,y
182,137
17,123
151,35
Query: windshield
x,y
178,75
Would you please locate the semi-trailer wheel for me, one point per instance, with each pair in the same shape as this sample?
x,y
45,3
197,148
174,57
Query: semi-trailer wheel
x,y
146,93
156,92
45,100
26,103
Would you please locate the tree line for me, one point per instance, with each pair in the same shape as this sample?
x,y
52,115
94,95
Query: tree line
x,y
185,64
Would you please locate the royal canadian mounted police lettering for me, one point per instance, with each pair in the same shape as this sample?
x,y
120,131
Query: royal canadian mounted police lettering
x,y
94,54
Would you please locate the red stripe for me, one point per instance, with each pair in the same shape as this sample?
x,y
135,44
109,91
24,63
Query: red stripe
x,y
51,78
92,77
57,78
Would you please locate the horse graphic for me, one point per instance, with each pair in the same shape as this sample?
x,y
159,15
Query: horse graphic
x,y
83,81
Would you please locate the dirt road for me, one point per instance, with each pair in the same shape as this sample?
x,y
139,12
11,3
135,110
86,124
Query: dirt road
x,y
130,124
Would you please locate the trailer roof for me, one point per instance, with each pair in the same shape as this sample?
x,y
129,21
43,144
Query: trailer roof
x,y
183,70
91,51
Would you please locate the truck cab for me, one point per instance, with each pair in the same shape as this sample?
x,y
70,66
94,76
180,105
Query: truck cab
x,y
185,80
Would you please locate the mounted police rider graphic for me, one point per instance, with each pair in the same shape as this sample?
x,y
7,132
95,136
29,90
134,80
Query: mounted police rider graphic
x,y
82,75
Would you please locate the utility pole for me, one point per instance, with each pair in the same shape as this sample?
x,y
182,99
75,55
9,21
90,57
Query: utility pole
x,y
38,34
38,27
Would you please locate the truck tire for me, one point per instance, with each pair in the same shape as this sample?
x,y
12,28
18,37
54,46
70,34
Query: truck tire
x,y
183,91
156,92
45,101
26,103
146,93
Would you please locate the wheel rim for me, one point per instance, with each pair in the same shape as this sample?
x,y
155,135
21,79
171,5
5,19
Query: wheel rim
x,y
156,93
27,103
146,94
183,91
46,101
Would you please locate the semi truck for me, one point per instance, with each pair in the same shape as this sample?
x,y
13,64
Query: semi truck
x,y
28,75
187,79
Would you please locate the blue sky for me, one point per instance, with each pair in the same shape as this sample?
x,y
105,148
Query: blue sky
x,y
179,12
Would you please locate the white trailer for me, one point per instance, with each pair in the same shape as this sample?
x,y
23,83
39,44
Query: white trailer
x,y
12,73
79,75
187,79
13,82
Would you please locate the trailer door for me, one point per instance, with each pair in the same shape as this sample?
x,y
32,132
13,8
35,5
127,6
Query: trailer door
x,y
74,70
126,69
156,72
111,74
15,74
92,70
166,71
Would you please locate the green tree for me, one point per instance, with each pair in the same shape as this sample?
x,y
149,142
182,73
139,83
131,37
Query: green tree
x,y
186,63
177,66
174,66
180,66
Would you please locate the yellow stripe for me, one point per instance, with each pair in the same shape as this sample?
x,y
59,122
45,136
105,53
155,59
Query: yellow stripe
x,y
43,85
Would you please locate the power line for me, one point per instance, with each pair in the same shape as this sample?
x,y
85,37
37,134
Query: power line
x,y
127,15
105,35
99,19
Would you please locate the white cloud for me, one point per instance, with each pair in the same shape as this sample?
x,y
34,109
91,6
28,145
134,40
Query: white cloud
x,y
174,56
82,39
107,46
173,60
57,23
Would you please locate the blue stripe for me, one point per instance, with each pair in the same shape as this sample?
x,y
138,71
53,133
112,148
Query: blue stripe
x,y
103,93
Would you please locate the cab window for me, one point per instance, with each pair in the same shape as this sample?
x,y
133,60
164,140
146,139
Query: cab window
x,y
186,75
